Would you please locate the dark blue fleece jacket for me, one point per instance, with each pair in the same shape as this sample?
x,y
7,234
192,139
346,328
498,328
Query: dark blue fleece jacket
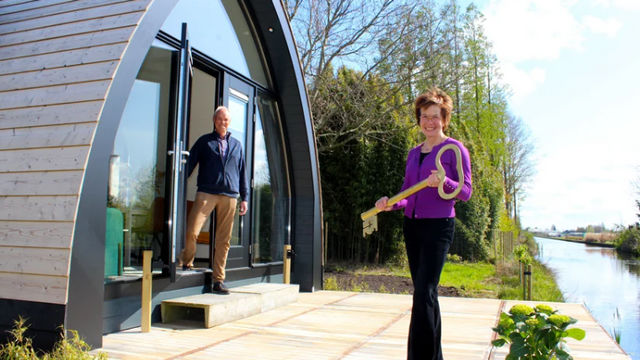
x,y
215,175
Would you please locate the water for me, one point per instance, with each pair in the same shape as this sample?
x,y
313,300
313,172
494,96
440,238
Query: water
x,y
603,280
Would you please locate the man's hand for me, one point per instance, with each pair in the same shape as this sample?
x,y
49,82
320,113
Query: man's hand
x,y
243,207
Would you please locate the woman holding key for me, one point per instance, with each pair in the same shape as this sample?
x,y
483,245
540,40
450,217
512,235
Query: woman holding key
x,y
429,219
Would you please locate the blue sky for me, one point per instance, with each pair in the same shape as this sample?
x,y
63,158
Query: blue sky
x,y
574,70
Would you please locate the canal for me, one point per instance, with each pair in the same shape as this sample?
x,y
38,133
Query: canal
x,y
603,280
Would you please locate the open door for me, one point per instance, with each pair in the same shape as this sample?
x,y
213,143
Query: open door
x,y
238,97
178,154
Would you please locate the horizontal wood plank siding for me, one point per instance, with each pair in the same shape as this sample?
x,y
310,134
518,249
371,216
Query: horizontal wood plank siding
x,y
69,17
88,26
50,136
25,7
5,3
34,261
48,289
41,183
59,76
51,115
63,59
96,90
57,61
36,234
43,208
70,158
48,8
66,43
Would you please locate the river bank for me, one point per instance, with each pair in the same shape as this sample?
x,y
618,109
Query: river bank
x,y
599,244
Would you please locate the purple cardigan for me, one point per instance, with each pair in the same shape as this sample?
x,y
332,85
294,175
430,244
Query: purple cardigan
x,y
427,203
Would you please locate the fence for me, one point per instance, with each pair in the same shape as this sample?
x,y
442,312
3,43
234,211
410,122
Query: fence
x,y
506,242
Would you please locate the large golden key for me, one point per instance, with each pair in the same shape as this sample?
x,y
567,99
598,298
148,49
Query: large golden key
x,y
369,218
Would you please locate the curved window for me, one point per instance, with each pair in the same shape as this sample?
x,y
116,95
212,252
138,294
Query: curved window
x,y
219,29
271,191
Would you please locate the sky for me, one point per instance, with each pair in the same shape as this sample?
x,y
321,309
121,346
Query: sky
x,y
573,67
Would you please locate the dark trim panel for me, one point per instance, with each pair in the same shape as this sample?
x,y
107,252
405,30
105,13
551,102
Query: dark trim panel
x,y
86,279
306,221
44,321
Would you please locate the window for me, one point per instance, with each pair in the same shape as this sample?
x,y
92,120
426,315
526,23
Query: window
x,y
271,191
219,29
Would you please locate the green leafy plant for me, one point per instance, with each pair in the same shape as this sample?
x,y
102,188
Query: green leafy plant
x,y
536,333
331,284
521,253
454,258
21,347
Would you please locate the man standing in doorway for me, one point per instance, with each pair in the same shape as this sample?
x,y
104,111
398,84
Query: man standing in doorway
x,y
221,179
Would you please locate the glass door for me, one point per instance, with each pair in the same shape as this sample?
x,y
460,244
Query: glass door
x,y
239,99
138,171
178,155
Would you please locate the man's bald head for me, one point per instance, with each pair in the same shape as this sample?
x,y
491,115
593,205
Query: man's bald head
x,y
221,120
220,109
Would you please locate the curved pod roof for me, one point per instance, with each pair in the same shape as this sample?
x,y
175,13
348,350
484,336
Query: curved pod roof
x,y
66,68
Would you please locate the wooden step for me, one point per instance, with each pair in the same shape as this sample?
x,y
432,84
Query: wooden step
x,y
242,302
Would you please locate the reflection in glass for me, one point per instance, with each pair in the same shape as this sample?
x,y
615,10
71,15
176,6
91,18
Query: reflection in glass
x,y
270,199
238,108
219,29
135,205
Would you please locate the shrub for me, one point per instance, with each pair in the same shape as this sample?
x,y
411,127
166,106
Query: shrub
x,y
331,284
536,333
599,237
21,347
454,258
629,241
521,253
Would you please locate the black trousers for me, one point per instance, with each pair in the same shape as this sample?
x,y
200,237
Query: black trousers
x,y
427,242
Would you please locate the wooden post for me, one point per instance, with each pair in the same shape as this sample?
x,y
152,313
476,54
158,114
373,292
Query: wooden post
x,y
146,291
287,265
530,274
521,271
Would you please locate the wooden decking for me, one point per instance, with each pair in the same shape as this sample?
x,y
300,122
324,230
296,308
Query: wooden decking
x,y
343,325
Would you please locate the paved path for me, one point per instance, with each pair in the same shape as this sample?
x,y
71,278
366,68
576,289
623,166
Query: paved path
x,y
344,325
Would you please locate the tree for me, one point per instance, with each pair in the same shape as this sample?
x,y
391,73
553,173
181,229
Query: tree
x,y
365,62
362,33
553,228
517,166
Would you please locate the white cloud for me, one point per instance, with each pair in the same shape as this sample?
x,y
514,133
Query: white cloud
x,y
609,27
531,29
521,82
622,4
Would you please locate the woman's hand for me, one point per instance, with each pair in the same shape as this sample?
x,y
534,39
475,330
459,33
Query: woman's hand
x,y
381,204
433,180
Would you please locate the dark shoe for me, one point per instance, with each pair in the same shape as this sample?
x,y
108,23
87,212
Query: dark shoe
x,y
220,288
187,267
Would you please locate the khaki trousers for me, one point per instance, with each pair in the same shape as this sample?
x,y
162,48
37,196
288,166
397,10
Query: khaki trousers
x,y
204,204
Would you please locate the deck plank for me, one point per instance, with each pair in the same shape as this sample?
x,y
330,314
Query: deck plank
x,y
342,325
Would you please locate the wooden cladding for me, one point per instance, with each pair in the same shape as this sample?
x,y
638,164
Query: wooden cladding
x,y
58,59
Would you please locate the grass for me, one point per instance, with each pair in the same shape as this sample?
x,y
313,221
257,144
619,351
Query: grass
x,y
472,279
544,284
